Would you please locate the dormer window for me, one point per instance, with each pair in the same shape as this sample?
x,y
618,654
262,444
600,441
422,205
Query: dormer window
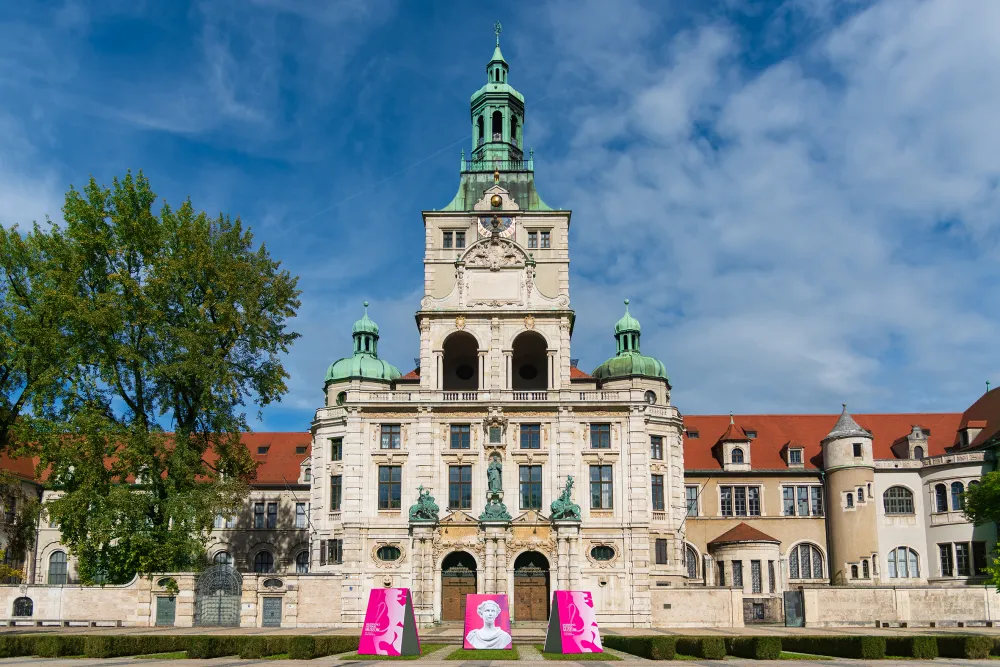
x,y
263,449
751,434
300,449
794,457
737,456
693,434
307,475
918,452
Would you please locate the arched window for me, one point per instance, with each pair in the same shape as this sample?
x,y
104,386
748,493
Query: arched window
x,y
898,500
263,562
805,561
513,130
529,362
864,569
918,452
854,572
691,561
861,495
57,568
480,131
497,126
737,455
903,563
461,362
302,562
850,500
956,495
308,474
23,607
223,558
940,498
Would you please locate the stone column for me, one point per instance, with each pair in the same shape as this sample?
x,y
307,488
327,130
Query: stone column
x,y
496,555
552,369
507,365
568,566
423,575
438,370
562,562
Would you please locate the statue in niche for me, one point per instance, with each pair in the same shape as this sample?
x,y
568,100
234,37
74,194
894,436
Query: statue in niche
x,y
494,473
495,509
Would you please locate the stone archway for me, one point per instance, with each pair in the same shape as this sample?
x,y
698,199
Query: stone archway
x,y
531,587
458,579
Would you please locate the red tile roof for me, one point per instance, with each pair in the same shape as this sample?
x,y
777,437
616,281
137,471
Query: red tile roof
x,y
734,433
986,409
743,533
774,432
412,375
576,374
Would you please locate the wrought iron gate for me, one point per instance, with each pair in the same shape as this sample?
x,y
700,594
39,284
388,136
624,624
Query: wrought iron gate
x,y
272,612
217,597
166,609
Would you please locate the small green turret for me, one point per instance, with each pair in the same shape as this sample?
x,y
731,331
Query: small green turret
x,y
628,360
364,363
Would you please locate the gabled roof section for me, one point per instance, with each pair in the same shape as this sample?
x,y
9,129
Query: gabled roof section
x,y
743,533
983,414
412,376
576,374
734,433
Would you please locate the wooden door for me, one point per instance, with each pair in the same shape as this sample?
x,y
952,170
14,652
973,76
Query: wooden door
x,y
531,596
455,585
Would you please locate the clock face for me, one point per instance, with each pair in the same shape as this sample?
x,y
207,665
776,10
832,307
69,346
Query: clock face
x,y
506,225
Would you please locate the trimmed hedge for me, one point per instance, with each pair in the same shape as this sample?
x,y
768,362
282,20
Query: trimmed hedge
x,y
114,646
972,647
213,646
710,648
308,648
653,648
859,648
15,646
55,646
262,647
921,647
755,648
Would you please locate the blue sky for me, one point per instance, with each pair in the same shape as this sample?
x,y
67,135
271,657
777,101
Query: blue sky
x,y
800,198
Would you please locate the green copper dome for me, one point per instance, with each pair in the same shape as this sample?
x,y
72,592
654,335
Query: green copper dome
x,y
364,363
629,361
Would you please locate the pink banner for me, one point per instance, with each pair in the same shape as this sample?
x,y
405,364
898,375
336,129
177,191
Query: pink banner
x,y
576,617
390,627
487,622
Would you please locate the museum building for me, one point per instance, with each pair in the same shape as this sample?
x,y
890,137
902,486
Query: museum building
x,y
499,466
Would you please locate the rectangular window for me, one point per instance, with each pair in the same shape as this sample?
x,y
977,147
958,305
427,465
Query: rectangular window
x,y
661,551
460,436
658,504
337,449
795,457
300,449
225,521
803,492
390,436
691,494
738,573
788,500
857,450
460,487
770,576
726,496
336,492
979,558
753,497
531,436
263,449
220,521
962,559
300,515
600,487
944,551
600,436
532,239
258,515
389,487
336,550
530,478
447,240
740,502
459,239
722,573
756,584
272,515
656,447
546,243
817,500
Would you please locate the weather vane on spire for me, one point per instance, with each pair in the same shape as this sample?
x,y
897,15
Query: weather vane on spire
x,y
497,28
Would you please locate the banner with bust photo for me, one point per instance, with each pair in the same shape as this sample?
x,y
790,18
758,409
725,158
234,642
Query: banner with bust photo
x,y
573,624
487,622
390,627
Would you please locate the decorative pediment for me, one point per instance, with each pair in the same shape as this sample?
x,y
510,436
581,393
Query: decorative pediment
x,y
507,203
494,253
530,517
458,517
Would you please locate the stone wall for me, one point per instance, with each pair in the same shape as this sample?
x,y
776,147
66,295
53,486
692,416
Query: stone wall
x,y
839,607
129,604
697,607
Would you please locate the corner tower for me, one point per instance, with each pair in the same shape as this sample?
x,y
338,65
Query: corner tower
x,y
849,464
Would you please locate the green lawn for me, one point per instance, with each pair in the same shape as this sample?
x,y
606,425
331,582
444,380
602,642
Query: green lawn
x,y
484,654
424,650
576,657
792,655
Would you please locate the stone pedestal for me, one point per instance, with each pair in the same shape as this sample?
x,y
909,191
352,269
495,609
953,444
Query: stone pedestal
x,y
422,589
568,555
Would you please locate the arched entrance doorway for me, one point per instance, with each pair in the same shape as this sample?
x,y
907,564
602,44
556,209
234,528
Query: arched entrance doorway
x,y
530,363
217,597
461,363
458,579
531,587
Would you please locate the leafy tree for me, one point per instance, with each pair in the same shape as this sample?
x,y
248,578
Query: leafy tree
x,y
18,524
982,506
180,322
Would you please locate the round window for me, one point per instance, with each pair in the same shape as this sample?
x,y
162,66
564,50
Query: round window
x,y
341,398
602,552
388,553
528,372
464,372
651,397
